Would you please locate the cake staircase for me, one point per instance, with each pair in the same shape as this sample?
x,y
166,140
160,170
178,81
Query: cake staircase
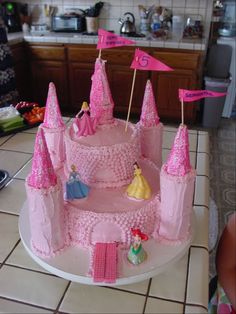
x,y
105,262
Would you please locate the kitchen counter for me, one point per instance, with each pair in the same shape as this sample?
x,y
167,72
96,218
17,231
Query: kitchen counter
x,y
72,38
25,287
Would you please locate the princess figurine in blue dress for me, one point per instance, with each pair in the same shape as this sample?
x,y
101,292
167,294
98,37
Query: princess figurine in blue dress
x,y
74,187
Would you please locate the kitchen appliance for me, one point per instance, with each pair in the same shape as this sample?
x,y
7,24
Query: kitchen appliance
x,y
127,24
11,16
68,23
228,20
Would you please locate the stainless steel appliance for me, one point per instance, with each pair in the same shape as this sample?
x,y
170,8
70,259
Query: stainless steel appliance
x,y
127,24
68,23
11,16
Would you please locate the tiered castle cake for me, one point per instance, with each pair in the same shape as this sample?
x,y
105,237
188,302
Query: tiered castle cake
x,y
104,156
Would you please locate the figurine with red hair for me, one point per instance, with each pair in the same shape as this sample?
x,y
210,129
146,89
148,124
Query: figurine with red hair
x,y
137,254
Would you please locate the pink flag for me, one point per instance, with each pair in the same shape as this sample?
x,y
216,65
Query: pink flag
x,y
109,40
143,61
192,95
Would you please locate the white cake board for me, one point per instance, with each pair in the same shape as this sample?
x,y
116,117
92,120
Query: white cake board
x,y
73,263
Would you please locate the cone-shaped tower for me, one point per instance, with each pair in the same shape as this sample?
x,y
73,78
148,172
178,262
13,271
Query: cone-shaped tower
x,y
177,188
101,102
45,200
151,128
42,175
54,128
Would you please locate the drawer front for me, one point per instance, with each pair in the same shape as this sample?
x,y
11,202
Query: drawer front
x,y
179,60
53,53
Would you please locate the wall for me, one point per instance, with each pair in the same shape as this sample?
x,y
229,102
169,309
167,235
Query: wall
x,y
114,9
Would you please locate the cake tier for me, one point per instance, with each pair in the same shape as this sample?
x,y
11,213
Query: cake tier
x,y
107,214
104,159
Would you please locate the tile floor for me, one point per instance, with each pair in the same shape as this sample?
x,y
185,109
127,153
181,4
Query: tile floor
x,y
25,287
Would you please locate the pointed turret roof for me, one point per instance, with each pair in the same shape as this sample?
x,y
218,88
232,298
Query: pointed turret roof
x,y
149,116
42,174
178,162
101,102
52,116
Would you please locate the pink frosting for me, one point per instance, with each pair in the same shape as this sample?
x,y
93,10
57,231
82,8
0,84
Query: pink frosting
x,y
47,220
101,102
149,116
178,162
42,173
104,164
176,207
151,143
52,117
56,146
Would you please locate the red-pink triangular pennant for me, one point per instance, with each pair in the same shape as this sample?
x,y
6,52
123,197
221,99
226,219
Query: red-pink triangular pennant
x,y
108,40
143,61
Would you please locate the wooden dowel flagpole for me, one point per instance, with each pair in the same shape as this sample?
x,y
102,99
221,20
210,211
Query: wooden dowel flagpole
x,y
130,100
100,54
182,112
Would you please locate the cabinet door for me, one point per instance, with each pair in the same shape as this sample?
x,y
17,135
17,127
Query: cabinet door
x,y
120,79
44,72
166,86
80,83
21,67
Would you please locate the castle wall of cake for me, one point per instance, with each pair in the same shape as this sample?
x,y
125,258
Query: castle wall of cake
x,y
47,219
176,206
84,226
56,145
151,143
103,166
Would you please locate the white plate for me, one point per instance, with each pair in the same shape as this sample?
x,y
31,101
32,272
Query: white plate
x,y
73,263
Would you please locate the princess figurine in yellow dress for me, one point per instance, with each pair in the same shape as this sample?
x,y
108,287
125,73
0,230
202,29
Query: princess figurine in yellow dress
x,y
139,188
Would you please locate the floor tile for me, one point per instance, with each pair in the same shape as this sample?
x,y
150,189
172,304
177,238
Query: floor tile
x,y
171,283
31,287
21,142
168,140
20,257
12,161
9,234
203,164
201,219
203,142
163,307
4,139
93,299
201,196
7,306
197,292
22,174
189,309
140,287
13,196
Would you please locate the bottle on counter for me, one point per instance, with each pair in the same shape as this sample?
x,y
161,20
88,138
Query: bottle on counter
x,y
177,27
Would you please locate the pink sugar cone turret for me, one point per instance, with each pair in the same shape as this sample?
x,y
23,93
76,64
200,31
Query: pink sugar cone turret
x,y
177,188
54,128
101,102
45,201
151,128
42,174
52,117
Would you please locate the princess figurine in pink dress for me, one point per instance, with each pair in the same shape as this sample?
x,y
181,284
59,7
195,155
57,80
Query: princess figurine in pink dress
x,y
85,124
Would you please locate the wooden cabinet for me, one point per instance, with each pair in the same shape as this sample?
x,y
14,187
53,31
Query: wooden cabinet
x,y
70,67
48,64
21,67
186,75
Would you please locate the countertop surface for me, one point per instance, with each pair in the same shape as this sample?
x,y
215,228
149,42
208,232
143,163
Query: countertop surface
x,y
72,38
26,287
